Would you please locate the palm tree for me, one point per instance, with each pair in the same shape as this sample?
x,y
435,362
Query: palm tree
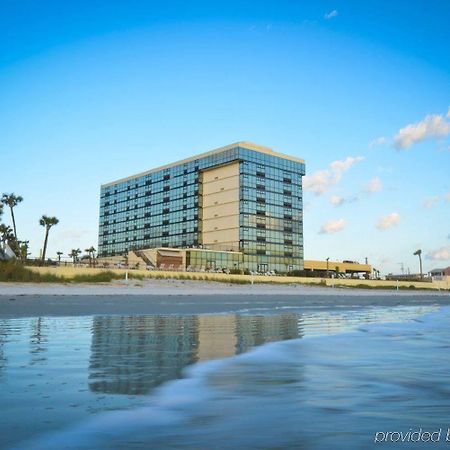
x,y
12,201
47,222
74,254
1,209
91,252
59,257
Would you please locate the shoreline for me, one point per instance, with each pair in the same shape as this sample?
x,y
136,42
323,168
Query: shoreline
x,y
169,297
175,287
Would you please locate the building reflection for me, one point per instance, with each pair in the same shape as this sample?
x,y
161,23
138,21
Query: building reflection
x,y
3,341
132,355
257,330
38,340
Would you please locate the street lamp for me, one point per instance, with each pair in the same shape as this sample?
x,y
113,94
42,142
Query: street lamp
x,y
419,254
328,259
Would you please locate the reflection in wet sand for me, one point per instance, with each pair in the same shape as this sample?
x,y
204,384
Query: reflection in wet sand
x,y
131,355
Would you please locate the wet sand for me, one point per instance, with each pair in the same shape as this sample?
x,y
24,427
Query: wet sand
x,y
183,297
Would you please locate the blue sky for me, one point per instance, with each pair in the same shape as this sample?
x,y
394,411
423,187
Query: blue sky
x,y
94,91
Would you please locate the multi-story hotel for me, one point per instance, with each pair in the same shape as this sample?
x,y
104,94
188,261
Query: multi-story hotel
x,y
236,207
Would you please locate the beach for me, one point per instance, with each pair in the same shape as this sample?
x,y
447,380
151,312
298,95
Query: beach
x,y
176,364
192,297
273,377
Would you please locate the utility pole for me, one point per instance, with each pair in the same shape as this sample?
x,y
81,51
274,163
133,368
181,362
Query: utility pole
x,y
328,259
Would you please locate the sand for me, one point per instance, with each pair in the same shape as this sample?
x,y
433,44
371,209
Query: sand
x,y
192,297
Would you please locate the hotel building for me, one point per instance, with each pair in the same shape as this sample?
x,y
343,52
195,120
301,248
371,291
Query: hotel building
x,y
236,207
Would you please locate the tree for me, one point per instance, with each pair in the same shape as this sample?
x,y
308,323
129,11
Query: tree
x,y
12,201
74,254
1,210
91,252
47,222
23,248
6,233
59,256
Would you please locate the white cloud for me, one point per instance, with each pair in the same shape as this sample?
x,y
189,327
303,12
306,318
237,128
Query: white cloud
x,y
322,180
331,14
333,226
336,200
441,254
431,201
432,126
378,141
374,185
389,221
319,182
340,166
447,196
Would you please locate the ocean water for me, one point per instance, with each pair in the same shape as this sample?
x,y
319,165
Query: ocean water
x,y
273,379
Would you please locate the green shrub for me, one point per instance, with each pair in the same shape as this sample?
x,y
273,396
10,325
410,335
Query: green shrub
x,y
14,271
